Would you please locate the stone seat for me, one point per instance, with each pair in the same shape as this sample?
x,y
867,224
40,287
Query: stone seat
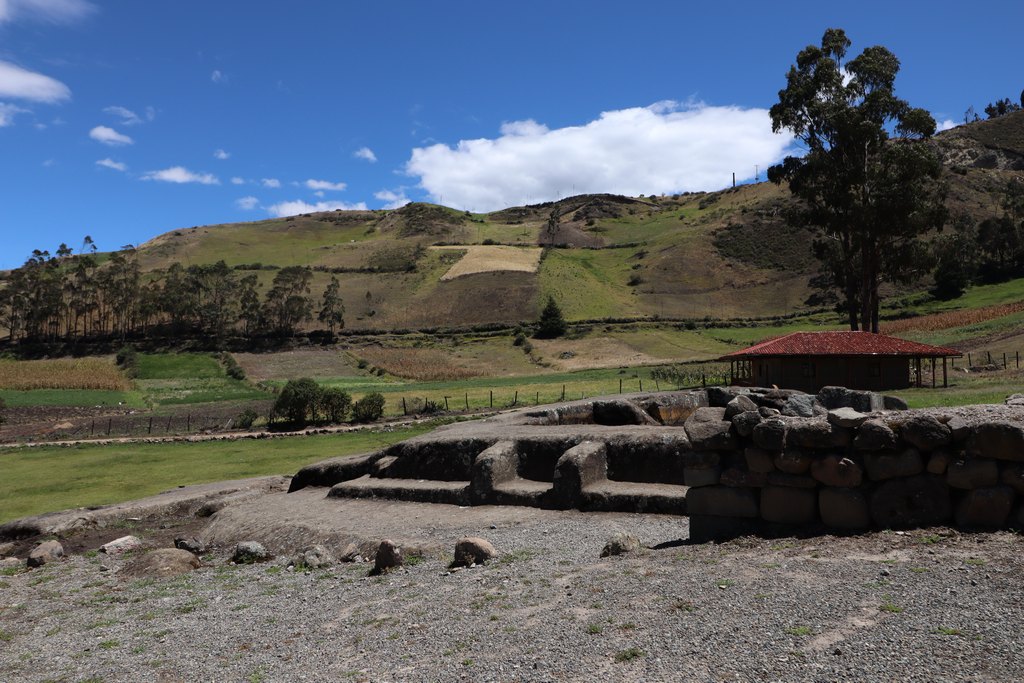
x,y
626,496
414,490
519,491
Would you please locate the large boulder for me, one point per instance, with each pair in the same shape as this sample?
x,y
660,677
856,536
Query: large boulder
x,y
1013,476
801,405
972,473
389,556
722,501
837,471
120,546
758,459
1001,440
248,552
786,505
160,563
892,464
925,433
874,435
740,404
922,500
314,557
745,422
987,507
841,397
843,508
708,430
846,417
620,544
816,433
793,461
771,434
45,553
471,550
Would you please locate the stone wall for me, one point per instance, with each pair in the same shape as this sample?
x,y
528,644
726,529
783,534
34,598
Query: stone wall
x,y
850,470
735,460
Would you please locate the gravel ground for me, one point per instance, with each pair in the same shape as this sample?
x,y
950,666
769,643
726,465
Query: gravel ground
x,y
929,605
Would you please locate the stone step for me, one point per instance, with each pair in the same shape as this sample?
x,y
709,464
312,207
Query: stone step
x,y
414,490
520,491
627,496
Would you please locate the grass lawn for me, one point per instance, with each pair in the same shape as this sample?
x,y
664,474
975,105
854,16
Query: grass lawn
x,y
72,397
45,479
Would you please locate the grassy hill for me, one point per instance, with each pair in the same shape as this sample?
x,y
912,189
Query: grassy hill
x,y
724,255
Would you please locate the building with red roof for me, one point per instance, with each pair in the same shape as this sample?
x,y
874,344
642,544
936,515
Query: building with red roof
x,y
809,361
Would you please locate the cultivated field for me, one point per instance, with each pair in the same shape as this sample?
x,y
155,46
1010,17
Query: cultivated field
x,y
487,259
63,373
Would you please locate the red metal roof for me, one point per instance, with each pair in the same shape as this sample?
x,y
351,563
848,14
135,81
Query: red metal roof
x,y
840,344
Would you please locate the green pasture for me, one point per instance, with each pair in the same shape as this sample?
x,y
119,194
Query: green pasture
x,y
186,378
72,397
43,479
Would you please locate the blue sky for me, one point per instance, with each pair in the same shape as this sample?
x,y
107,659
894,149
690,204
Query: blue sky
x,y
126,119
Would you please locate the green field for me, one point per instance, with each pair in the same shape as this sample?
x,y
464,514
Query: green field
x,y
189,378
50,478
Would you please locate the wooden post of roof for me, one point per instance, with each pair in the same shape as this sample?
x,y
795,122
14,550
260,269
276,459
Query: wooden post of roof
x,y
933,372
917,370
945,383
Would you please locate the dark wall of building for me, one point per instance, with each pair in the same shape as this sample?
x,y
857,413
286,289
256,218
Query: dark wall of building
x,y
811,373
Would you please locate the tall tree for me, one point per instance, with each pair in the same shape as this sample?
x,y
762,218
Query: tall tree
x,y
871,197
332,308
288,303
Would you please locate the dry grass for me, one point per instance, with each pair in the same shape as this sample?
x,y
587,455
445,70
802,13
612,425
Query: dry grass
x,y
62,373
425,365
487,259
951,319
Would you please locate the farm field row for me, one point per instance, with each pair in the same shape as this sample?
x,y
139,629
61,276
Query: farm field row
x,y
46,478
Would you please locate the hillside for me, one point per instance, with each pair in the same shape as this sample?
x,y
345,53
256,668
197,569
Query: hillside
x,y
726,254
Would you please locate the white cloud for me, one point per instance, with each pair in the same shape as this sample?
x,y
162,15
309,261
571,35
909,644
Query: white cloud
x,y
127,116
945,125
218,76
667,147
298,206
19,83
318,193
325,185
366,154
180,174
7,112
109,136
110,163
238,181
221,154
54,11
247,203
271,182
394,200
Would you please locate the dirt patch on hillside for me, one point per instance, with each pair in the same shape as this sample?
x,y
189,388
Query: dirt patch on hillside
x,y
487,259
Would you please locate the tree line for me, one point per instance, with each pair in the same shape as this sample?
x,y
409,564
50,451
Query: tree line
x,y
75,297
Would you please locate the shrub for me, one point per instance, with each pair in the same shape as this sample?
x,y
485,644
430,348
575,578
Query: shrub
x,y
334,405
519,339
369,408
246,418
362,364
551,323
297,402
127,359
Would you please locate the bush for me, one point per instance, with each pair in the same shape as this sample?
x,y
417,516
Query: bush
x,y
246,418
369,408
334,405
551,323
297,403
127,359
519,339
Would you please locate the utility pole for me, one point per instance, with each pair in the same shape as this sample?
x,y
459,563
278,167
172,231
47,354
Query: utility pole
x,y
734,178
757,173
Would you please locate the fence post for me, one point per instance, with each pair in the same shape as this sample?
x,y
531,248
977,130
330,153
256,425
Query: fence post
x,y
536,400
703,381
1018,358
516,399
169,418
150,430
563,392
188,423
989,357
405,410
641,383
92,427
620,385
492,397
467,400
969,363
1004,360
446,404
657,387
110,422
